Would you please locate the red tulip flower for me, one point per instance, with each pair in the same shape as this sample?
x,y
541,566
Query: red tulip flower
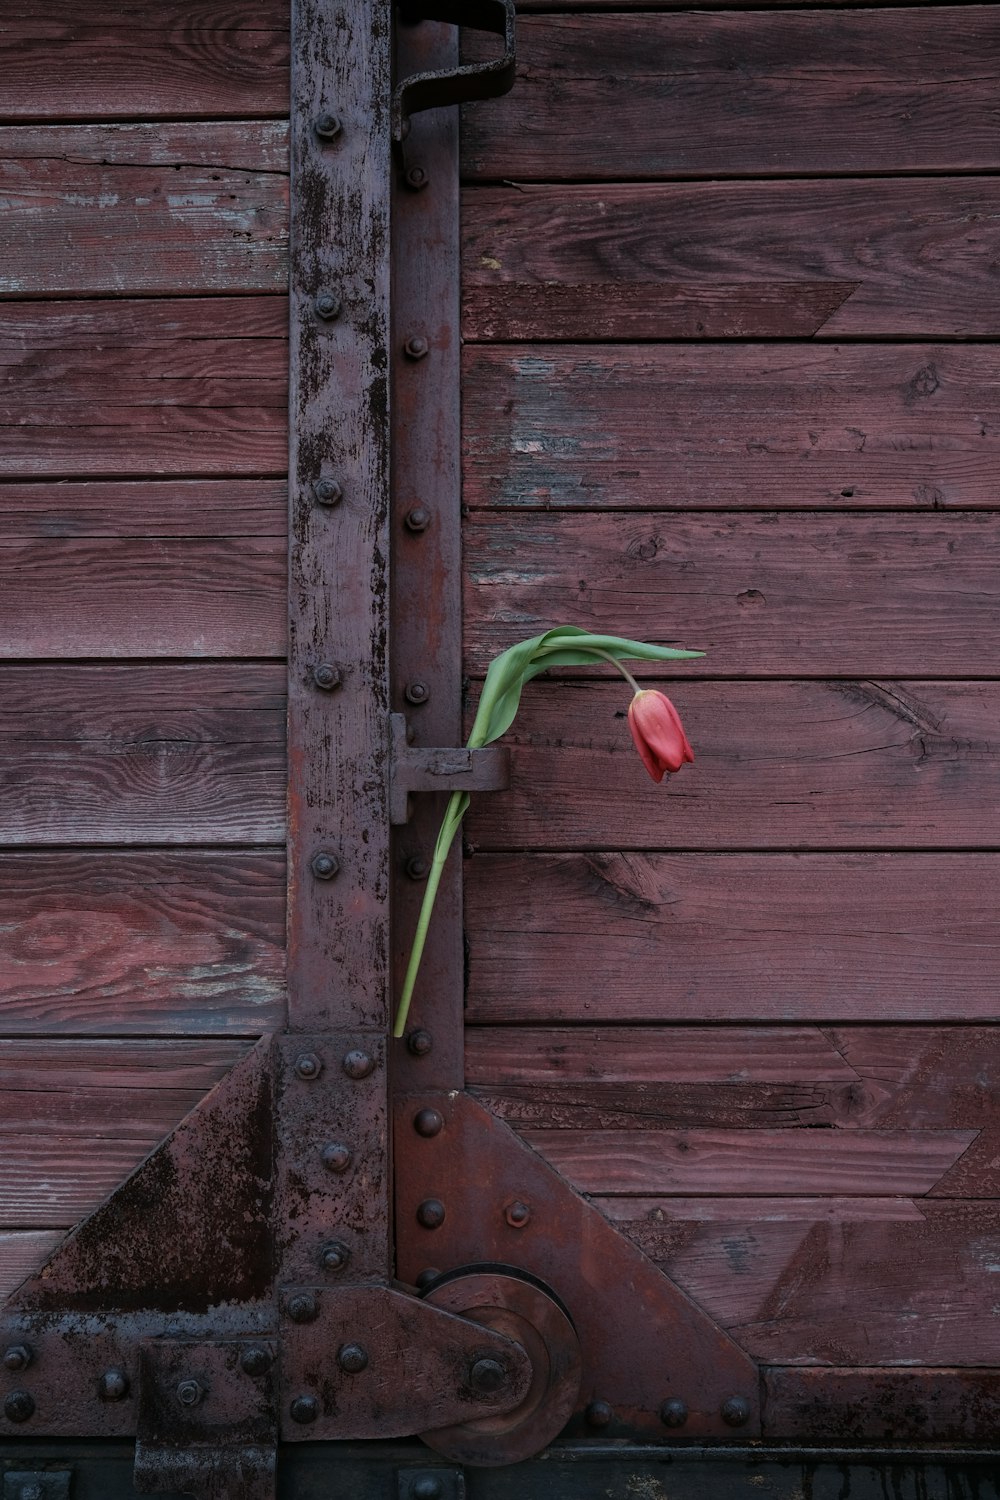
x,y
658,733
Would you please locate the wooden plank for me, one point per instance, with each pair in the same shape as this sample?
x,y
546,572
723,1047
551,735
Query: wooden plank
x,y
920,249
22,1252
751,93
189,386
127,209
851,1163
169,508
871,1405
778,765
123,59
763,595
743,1211
844,1289
644,1106
652,1054
813,427
734,938
138,598
47,1184
120,755
138,944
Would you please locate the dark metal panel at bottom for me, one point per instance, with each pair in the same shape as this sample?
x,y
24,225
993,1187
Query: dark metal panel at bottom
x,y
572,1471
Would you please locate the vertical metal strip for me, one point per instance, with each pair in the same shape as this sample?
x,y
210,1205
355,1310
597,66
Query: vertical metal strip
x,y
339,492
426,538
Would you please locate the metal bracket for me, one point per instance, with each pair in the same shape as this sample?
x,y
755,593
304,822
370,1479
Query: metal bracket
x,y
483,80
413,769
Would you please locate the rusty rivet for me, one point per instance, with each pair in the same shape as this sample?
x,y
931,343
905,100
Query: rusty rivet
x,y
427,1487
517,1214
17,1357
324,865
417,867
416,347
598,1414
416,692
327,306
336,1157
19,1406
352,1359
114,1385
487,1376
420,1042
431,1213
428,1122
255,1360
328,127
674,1412
334,1256
735,1411
327,491
417,178
304,1409
417,518
327,676
308,1065
303,1307
426,1278
358,1064
190,1392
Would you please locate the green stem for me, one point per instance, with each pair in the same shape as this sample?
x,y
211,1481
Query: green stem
x,y
622,669
450,824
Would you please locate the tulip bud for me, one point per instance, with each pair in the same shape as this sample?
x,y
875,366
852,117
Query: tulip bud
x,y
658,733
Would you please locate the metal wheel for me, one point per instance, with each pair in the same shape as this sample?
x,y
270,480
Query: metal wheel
x,y
515,1304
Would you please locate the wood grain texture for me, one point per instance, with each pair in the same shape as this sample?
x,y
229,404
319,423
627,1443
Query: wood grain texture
x,y
730,938
851,1163
138,944
168,508
778,765
22,1252
120,755
844,1290
127,209
863,1405
189,386
755,93
139,598
114,60
768,426
762,595
920,249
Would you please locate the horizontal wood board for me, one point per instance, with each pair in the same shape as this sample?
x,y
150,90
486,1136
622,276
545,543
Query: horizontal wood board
x,y
113,60
135,209
752,93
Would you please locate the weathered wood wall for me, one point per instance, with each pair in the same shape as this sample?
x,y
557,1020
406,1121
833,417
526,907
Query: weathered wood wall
x,y
730,311
143,443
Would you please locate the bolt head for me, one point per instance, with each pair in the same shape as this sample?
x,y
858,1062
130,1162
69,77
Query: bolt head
x,y
417,867
17,1357
303,1307
328,127
358,1064
327,676
416,347
420,1043
417,518
417,178
334,1256
428,1122
190,1392
324,865
431,1213
352,1359
735,1411
30,1492
517,1214
327,306
674,1412
426,1278
19,1406
427,1487
255,1361
487,1376
114,1385
598,1414
416,692
336,1157
304,1409
308,1065
327,491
